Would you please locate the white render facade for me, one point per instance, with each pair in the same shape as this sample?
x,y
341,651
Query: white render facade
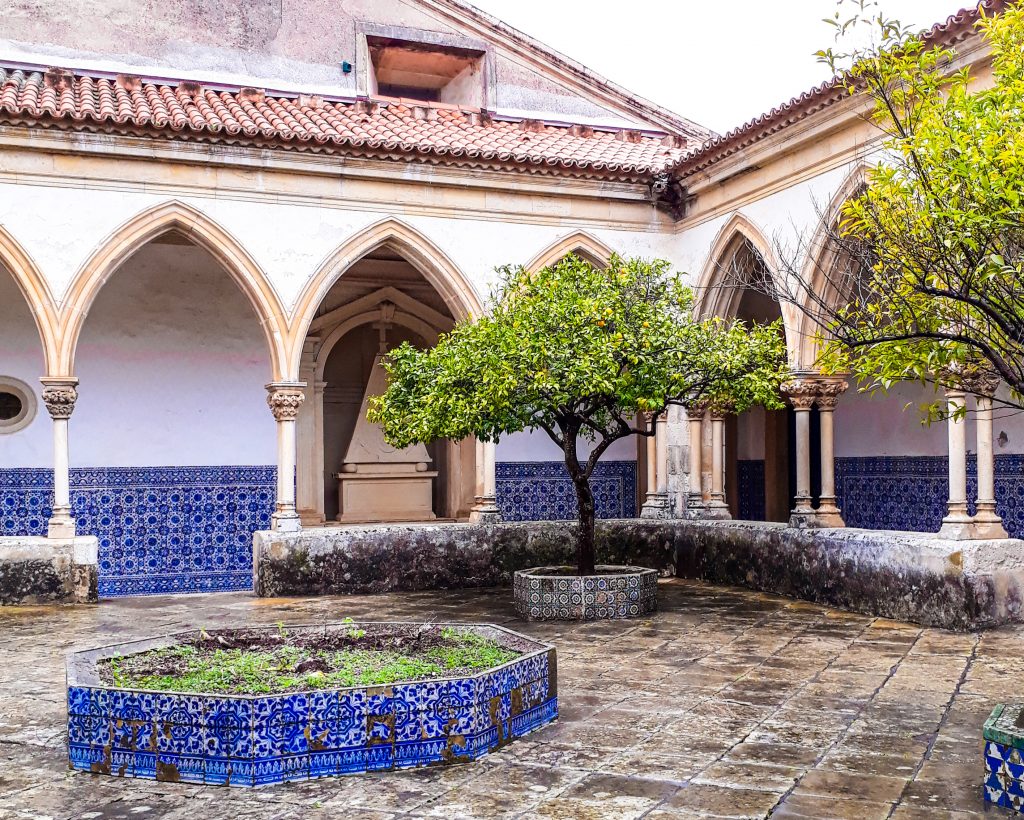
x,y
156,294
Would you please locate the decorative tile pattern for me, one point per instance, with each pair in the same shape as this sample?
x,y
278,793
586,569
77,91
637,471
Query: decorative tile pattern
x,y
1004,758
160,529
750,490
910,493
622,592
250,741
542,491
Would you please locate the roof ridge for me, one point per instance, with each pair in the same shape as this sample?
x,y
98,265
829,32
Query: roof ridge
x,y
820,96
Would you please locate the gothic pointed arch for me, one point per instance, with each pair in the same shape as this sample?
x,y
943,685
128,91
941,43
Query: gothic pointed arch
x,y
720,293
432,263
822,258
716,295
578,242
200,229
37,294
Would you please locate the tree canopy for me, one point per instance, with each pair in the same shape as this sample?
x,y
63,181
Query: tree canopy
x,y
932,251
579,351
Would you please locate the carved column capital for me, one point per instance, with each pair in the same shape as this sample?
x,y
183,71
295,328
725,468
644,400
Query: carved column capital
x,y
829,393
285,398
696,410
801,393
980,381
59,396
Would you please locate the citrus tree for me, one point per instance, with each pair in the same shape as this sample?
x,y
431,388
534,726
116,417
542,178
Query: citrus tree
x,y
931,252
589,355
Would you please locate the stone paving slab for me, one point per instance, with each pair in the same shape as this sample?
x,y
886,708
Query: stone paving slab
x,y
726,703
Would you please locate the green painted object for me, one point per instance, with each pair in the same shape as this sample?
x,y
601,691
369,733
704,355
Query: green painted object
x,y
1005,725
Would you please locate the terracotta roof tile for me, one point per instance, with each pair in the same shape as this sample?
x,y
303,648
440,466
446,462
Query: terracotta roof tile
x,y
403,128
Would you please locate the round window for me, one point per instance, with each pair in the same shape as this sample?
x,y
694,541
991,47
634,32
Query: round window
x,y
17,405
10,405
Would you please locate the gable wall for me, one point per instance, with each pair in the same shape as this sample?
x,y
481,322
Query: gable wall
x,y
292,45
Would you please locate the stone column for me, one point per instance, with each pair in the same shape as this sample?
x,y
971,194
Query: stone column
x,y
695,490
716,506
656,504
284,400
59,395
318,454
828,514
308,475
987,523
485,504
802,394
957,524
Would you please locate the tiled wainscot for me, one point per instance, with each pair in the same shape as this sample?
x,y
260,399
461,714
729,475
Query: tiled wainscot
x,y
160,529
542,490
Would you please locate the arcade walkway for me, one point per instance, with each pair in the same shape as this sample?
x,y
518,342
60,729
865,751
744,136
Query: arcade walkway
x,y
727,704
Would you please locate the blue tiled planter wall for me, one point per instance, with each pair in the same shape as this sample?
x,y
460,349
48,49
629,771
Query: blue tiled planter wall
x,y
542,491
160,529
256,740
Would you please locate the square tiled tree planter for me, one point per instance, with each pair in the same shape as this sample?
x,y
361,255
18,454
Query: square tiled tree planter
x,y
242,740
556,593
1004,757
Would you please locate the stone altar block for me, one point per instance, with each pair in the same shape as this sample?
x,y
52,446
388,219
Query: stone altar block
x,y
378,482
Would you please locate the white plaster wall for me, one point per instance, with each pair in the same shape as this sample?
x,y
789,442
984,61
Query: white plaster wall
x,y
21,356
172,364
289,44
290,241
787,219
890,424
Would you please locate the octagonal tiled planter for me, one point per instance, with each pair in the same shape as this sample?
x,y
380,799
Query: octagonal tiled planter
x,y
239,740
552,593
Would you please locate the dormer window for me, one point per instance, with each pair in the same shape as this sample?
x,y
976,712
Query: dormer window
x,y
425,66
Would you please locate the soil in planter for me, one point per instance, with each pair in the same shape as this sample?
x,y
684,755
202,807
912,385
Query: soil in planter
x,y
257,662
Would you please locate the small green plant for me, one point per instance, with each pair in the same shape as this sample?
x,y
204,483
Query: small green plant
x,y
353,633
291,668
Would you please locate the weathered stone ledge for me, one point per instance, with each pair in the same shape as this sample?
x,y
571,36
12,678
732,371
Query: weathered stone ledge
x,y
36,570
906,576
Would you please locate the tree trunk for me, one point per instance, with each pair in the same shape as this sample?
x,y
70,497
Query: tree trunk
x,y
585,503
585,526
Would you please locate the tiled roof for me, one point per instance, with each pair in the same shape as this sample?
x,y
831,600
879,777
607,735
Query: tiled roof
x,y
952,30
395,128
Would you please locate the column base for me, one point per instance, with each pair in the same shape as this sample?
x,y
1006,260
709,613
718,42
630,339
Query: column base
x,y
716,511
484,511
694,506
61,525
656,507
286,521
987,523
803,517
957,526
312,518
826,516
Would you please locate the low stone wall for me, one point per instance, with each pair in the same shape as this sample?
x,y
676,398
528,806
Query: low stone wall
x,y
407,557
36,570
906,576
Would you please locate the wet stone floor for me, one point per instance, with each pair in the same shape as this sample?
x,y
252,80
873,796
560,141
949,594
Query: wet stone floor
x,y
727,703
